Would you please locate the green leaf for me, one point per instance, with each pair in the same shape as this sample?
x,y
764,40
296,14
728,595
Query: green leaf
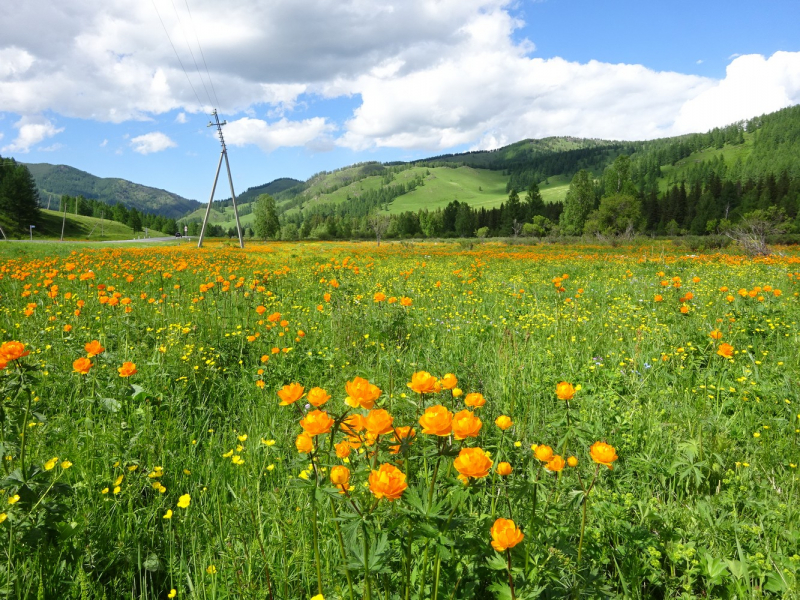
x,y
110,404
497,562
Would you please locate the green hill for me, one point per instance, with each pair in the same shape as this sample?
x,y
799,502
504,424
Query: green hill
x,y
84,228
54,181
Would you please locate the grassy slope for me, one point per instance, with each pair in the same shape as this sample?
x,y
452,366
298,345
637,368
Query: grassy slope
x,y
78,227
730,153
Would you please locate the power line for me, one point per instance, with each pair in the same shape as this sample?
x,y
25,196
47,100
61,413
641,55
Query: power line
x,y
189,46
191,20
199,102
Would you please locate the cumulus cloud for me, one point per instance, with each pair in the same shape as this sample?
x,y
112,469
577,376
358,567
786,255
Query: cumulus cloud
x,y
269,136
31,131
151,142
430,74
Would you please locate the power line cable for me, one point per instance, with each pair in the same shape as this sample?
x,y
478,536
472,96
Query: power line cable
x,y
191,53
191,20
199,102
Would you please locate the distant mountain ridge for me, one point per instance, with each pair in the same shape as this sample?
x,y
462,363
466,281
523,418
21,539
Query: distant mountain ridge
x,y
56,180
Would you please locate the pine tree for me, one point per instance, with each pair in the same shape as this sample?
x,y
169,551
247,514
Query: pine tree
x,y
19,198
266,224
578,203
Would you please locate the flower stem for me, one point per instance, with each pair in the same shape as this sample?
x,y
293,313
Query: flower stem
x,y
316,542
341,549
510,578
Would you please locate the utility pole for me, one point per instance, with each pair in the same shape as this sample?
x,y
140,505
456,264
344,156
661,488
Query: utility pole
x,y
64,220
224,154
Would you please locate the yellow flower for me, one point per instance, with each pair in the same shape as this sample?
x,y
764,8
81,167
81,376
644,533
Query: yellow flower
x,y
117,490
318,597
211,570
50,464
503,422
172,593
104,491
3,517
183,501
242,438
119,479
168,514
13,499
66,464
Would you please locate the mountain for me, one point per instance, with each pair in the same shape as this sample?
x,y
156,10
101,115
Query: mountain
x,y
54,181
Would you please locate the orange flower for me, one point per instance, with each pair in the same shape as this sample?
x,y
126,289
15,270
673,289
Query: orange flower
x,y
405,301
353,424
316,422
343,449
436,420
449,381
93,348
317,396
555,464
466,424
472,462
503,422
603,454
475,400
361,393
572,461
715,335
379,297
504,469
304,443
290,394
543,453
127,369
340,477
378,422
684,309
387,482
505,534
13,351
423,382
3,364
725,350
82,365
658,298
400,434
67,328
565,391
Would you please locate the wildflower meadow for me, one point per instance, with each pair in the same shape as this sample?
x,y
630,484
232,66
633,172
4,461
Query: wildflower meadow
x,y
403,421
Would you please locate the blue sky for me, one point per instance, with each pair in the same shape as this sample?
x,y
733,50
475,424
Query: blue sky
x,y
315,87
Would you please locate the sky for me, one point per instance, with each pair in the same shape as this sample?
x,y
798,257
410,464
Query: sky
x,y
124,88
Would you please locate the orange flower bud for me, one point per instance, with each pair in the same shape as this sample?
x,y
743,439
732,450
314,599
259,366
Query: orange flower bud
x,y
423,382
82,365
378,422
361,393
387,482
603,454
505,534
317,397
436,420
316,422
503,422
466,424
504,469
340,477
543,453
565,391
473,462
474,400
572,461
304,443
291,393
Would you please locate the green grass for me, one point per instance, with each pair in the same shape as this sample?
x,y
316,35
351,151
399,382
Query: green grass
x,y
729,153
556,188
702,501
479,188
79,227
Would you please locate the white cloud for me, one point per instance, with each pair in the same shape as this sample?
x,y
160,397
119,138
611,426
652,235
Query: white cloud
x,y
51,148
181,118
151,142
699,61
31,131
269,136
753,85
104,143
14,62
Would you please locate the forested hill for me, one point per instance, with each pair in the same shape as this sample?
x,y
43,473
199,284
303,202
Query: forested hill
x,y
54,181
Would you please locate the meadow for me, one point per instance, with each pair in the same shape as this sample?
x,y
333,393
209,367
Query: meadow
x,y
410,420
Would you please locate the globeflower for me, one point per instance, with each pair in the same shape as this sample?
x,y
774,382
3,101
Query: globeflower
x,y
82,365
504,469
361,393
423,382
289,394
387,482
93,348
436,420
378,422
317,397
474,400
472,462
565,391
340,477
505,534
555,464
127,369
449,381
603,454
715,335
13,351
543,453
725,350
304,443
466,424
316,422
343,449
503,422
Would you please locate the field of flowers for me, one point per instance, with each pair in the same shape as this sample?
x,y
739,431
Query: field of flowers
x,y
426,421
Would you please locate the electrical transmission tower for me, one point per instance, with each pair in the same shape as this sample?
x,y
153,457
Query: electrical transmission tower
x,y
224,154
